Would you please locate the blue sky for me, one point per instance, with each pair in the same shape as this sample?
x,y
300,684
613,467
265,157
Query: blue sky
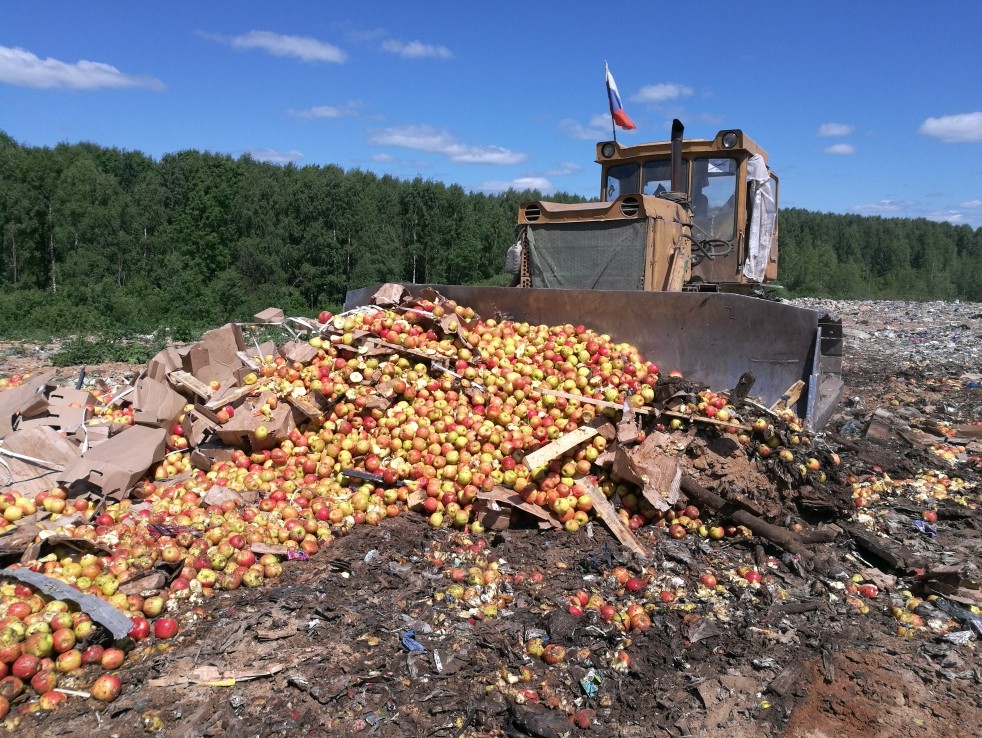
x,y
863,107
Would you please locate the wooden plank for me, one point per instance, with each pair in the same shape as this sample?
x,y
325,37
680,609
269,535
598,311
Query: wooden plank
x,y
787,681
608,514
668,475
707,421
416,499
430,355
249,361
190,382
791,395
561,445
505,496
305,406
762,408
892,554
589,400
227,398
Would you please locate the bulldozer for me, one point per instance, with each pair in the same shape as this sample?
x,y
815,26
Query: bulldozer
x,y
679,257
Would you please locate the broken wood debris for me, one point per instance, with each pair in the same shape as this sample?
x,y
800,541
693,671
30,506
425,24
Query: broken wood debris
x,y
613,521
561,445
783,537
189,381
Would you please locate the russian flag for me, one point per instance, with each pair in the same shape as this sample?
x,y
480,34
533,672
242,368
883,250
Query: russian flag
x,y
616,109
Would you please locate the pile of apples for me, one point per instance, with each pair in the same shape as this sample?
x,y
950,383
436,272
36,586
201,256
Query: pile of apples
x,y
14,380
426,398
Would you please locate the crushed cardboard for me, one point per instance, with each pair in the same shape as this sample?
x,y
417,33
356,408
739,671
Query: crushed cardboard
x,y
115,465
32,459
240,430
66,409
646,465
28,399
270,315
157,402
212,676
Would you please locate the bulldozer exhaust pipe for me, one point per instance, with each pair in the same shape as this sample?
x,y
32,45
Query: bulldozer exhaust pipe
x,y
677,128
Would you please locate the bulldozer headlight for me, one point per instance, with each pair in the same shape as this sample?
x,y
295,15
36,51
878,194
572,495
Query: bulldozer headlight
x,y
607,150
730,140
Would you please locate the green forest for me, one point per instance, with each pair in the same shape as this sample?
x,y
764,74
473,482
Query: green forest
x,y
99,240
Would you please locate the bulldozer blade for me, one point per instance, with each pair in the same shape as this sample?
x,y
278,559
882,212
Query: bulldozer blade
x,y
712,338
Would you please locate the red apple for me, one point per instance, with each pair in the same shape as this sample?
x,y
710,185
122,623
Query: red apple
x,y
112,658
68,661
92,655
26,666
140,629
165,628
106,688
44,681
63,640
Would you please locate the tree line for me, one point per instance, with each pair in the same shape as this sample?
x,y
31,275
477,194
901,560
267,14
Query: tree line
x,y
99,239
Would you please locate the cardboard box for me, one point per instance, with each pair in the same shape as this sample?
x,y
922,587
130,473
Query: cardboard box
x,y
87,436
270,315
223,345
28,399
162,364
199,424
215,356
298,351
67,409
206,455
156,402
35,458
116,464
240,430
194,359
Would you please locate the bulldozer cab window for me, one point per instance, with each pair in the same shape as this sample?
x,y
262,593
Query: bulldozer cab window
x,y
713,196
621,180
656,177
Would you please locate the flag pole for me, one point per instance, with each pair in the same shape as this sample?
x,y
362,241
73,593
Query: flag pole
x,y
613,128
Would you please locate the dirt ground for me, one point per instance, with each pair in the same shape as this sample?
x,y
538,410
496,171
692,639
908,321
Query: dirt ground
x,y
364,638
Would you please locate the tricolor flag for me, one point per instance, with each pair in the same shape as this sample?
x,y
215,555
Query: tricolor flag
x,y
616,109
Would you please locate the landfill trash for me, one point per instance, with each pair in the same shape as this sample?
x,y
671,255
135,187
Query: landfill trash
x,y
410,642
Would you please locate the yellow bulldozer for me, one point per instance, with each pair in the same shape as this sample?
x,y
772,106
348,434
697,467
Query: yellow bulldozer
x,y
678,257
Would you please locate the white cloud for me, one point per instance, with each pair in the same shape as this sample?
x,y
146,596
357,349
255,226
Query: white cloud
x,y
835,129
540,181
541,184
972,204
416,50
428,139
661,93
565,169
963,128
273,156
299,47
327,111
842,149
21,68
946,216
597,129
883,206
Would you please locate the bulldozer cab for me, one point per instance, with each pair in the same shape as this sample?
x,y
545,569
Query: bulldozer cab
x,y
674,215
